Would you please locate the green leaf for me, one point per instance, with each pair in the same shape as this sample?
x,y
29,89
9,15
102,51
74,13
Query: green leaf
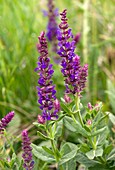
x,y
75,127
91,154
69,151
99,152
111,156
39,152
48,150
94,153
42,136
67,157
82,159
70,165
99,131
112,118
59,129
108,149
66,109
40,126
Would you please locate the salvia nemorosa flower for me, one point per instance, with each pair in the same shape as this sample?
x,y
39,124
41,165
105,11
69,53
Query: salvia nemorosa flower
x,y
27,151
75,75
4,121
46,90
52,24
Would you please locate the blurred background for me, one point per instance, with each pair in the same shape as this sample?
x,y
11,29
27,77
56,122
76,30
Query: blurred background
x,y
21,23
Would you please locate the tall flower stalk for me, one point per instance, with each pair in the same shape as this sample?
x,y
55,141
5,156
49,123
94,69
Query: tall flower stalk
x,y
52,25
27,151
5,121
46,90
75,75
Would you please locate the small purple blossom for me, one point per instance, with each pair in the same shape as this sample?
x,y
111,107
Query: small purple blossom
x,y
75,75
5,121
46,89
27,151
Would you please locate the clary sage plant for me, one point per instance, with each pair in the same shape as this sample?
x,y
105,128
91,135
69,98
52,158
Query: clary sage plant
x,y
88,125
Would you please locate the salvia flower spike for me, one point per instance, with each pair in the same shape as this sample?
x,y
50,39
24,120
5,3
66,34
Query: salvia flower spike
x,y
52,24
46,89
75,75
27,151
5,121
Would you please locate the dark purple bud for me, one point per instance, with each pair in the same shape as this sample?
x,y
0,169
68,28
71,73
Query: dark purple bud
x,y
5,121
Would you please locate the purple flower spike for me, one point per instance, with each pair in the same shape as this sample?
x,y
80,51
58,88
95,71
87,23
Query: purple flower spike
x,y
46,89
52,24
27,151
4,121
75,75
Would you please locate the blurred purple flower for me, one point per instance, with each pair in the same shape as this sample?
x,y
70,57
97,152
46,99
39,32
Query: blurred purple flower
x,y
75,75
27,151
4,121
77,38
46,89
52,24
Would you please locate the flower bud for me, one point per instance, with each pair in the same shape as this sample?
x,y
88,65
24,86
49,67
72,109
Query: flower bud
x,y
89,122
67,98
41,120
89,106
57,105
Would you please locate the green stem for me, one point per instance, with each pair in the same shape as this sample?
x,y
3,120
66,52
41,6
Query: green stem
x,y
77,100
54,148
60,167
92,143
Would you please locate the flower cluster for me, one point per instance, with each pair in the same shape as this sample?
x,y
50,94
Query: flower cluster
x,y
27,151
4,121
75,75
46,90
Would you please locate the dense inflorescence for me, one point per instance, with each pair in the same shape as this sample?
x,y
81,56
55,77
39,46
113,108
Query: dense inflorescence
x,y
27,151
4,121
75,75
46,90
